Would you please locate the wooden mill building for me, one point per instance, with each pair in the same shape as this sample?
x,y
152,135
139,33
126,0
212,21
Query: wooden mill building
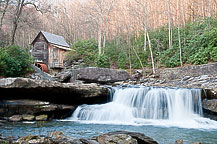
x,y
49,49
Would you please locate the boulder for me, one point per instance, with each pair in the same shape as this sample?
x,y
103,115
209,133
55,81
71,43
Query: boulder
x,y
57,134
27,138
117,138
65,76
123,137
102,75
210,108
26,117
93,75
41,118
179,141
15,118
85,141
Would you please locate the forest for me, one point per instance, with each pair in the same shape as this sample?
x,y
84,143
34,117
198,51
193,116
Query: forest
x,y
119,34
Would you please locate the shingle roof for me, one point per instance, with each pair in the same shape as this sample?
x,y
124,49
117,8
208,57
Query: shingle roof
x,y
55,39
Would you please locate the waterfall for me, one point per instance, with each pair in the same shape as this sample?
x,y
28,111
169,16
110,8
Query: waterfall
x,y
147,105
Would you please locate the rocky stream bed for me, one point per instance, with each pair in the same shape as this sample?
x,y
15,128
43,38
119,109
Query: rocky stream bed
x,y
57,137
27,99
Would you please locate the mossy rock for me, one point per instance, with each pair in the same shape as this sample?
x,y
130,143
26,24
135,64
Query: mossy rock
x,y
4,142
30,137
41,118
15,118
28,117
27,139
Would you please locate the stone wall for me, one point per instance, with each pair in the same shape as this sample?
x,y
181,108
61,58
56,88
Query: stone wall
x,y
195,70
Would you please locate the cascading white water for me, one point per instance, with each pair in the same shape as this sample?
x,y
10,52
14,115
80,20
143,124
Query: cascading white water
x,y
147,105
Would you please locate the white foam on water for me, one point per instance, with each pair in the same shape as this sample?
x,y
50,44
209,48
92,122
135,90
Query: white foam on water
x,y
28,122
148,106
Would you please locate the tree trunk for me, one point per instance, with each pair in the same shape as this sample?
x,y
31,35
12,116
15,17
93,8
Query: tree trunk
x,y
145,27
138,59
104,41
20,4
129,45
13,32
3,13
100,35
209,8
183,19
152,58
106,23
169,23
203,11
130,60
145,39
104,36
180,47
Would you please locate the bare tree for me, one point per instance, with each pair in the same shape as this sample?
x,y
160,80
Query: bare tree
x,y
180,47
169,24
106,23
4,11
143,3
102,20
146,35
101,10
152,57
18,12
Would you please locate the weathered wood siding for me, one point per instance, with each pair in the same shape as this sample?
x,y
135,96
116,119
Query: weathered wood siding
x,y
40,49
56,57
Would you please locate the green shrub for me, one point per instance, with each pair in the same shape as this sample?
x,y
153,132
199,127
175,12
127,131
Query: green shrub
x,y
14,61
201,57
103,61
213,54
86,50
122,61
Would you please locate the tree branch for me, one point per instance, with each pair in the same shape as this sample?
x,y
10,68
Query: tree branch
x,y
33,4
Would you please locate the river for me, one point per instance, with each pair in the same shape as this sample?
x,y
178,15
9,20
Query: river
x,y
165,114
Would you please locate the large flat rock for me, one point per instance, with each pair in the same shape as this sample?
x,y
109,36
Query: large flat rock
x,y
192,70
93,74
51,91
29,109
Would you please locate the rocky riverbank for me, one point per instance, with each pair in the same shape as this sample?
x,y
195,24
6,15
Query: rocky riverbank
x,y
28,99
32,110
59,99
57,137
119,137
